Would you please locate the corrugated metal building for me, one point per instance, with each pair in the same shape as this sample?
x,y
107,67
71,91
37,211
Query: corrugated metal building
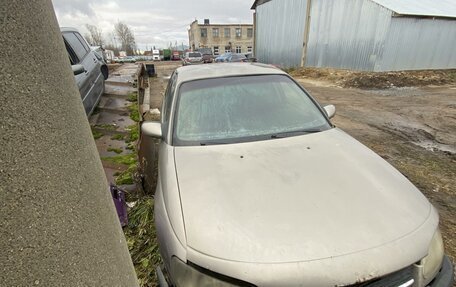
x,y
369,35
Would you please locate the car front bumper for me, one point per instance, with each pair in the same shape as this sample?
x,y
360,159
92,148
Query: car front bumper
x,y
445,277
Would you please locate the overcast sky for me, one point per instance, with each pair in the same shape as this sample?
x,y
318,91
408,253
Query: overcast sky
x,y
153,22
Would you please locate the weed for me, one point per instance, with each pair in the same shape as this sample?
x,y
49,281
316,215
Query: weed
x,y
134,111
132,97
116,150
96,134
141,240
126,159
127,176
133,133
118,137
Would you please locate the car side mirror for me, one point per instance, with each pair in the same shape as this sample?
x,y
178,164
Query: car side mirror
x,y
77,69
330,110
152,129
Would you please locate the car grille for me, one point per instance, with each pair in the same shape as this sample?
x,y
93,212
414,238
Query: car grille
x,y
392,280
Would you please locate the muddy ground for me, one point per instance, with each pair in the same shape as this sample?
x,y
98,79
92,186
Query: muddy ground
x,y
410,122
413,128
376,80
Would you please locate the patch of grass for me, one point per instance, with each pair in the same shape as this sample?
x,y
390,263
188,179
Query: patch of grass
x,y
141,240
289,70
132,97
118,137
126,159
133,133
116,150
134,112
452,76
96,134
131,146
127,176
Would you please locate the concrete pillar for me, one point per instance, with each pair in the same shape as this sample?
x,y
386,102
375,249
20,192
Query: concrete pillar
x,y
58,225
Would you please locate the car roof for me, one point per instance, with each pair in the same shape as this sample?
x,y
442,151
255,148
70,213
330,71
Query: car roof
x,y
198,72
68,29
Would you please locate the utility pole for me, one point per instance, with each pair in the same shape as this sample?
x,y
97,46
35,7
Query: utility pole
x,y
59,226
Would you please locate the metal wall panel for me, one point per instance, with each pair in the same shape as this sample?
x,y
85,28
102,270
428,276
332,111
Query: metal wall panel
x,y
417,43
280,32
440,8
348,34
352,34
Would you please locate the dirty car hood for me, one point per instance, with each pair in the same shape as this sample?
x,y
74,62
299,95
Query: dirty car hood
x,y
295,199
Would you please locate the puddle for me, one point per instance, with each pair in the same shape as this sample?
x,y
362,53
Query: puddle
x,y
113,103
420,135
118,90
106,146
435,146
113,119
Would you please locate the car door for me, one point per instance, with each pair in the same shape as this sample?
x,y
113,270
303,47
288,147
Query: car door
x,y
79,54
95,75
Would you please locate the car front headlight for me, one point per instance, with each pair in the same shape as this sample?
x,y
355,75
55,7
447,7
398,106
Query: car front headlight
x,y
431,264
190,275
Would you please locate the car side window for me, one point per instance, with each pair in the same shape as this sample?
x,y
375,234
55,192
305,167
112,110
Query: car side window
x,y
167,103
84,43
71,54
76,45
169,98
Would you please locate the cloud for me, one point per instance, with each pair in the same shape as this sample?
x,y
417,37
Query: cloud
x,y
154,22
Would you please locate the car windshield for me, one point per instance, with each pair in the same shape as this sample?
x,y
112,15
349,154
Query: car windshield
x,y
238,109
194,55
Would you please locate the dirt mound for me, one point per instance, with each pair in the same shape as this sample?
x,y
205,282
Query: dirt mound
x,y
378,80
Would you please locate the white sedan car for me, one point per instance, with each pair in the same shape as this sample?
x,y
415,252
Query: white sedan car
x,y
257,187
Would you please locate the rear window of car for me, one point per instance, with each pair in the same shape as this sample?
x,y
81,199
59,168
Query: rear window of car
x,y
194,55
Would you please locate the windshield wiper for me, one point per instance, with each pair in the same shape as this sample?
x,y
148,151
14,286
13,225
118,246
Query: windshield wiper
x,y
292,133
212,143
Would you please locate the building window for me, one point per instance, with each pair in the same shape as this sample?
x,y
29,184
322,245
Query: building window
x,y
227,32
215,32
249,49
203,32
250,32
216,50
227,49
238,49
238,32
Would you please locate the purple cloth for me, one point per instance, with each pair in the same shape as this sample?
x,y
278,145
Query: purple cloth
x,y
118,196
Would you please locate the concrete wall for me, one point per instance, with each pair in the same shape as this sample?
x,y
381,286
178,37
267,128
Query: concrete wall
x,y
59,226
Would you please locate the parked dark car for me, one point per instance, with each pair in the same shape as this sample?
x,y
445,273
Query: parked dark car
x,y
175,56
208,57
89,68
